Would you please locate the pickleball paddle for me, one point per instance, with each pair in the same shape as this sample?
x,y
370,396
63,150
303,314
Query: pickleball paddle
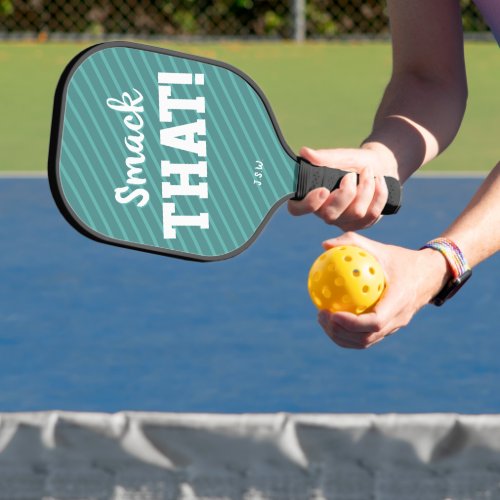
x,y
171,153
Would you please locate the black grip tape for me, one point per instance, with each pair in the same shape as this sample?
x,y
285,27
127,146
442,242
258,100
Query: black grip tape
x,y
312,177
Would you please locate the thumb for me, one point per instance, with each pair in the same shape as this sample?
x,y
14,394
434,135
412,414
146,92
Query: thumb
x,y
349,238
348,158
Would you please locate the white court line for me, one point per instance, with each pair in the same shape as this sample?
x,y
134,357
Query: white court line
x,y
22,175
454,174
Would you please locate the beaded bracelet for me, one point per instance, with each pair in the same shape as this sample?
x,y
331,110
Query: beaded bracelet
x,y
460,269
452,254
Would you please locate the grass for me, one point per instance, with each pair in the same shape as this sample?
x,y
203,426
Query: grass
x,y
323,94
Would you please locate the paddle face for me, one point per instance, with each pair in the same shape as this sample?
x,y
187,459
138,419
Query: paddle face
x,y
160,151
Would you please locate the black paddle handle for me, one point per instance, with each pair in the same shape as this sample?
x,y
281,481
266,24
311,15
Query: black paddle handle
x,y
312,177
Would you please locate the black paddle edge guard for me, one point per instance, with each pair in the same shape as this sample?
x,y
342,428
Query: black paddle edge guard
x,y
59,106
312,177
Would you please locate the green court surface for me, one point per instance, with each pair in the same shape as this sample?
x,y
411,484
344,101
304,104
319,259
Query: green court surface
x,y
323,94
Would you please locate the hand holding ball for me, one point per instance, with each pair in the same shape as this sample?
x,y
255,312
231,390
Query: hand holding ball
x,y
346,278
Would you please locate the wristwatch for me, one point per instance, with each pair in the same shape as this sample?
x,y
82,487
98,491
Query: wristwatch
x,y
460,270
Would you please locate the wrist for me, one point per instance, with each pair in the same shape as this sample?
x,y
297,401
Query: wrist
x,y
386,157
437,272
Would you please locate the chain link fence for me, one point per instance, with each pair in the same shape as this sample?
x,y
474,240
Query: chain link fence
x,y
283,19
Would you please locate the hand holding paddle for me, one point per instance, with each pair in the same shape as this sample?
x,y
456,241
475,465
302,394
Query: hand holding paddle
x,y
360,199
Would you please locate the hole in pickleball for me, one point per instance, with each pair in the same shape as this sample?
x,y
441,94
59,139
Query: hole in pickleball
x,y
366,289
317,300
356,273
327,293
359,310
336,306
372,270
379,287
348,258
346,299
317,276
362,254
339,281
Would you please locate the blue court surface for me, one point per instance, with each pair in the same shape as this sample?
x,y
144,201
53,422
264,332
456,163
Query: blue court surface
x,y
90,327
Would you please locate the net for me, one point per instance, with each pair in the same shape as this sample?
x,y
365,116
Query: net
x,y
153,456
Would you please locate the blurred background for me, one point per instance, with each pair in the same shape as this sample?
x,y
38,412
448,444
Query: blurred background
x,y
283,19
343,61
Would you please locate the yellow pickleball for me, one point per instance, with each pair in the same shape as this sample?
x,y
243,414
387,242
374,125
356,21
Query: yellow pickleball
x,y
346,278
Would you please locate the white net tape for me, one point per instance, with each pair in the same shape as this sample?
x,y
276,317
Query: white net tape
x,y
160,456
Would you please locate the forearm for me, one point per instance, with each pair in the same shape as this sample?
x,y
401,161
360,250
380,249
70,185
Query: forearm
x,y
424,103
416,120
477,230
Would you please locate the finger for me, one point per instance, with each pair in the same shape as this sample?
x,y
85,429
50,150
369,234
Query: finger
x,y
359,224
380,196
311,203
366,209
365,191
338,201
374,221
348,238
324,318
374,342
362,340
311,155
392,310
375,339
341,340
382,320
393,332
353,341
339,334
336,204
347,338
362,324
359,341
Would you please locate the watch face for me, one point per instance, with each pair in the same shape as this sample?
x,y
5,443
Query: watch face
x,y
451,288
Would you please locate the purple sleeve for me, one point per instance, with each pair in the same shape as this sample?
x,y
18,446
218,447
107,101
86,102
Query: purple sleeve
x,y
490,9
